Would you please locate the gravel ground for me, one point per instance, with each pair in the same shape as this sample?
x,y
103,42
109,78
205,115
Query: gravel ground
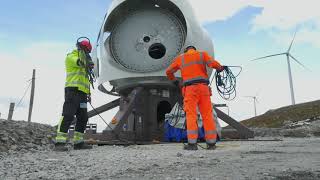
x,y
308,130
23,136
292,158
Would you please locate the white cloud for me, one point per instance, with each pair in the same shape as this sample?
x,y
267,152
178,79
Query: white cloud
x,y
286,14
214,10
280,16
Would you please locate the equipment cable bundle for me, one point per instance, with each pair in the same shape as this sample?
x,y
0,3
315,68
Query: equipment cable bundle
x,y
226,82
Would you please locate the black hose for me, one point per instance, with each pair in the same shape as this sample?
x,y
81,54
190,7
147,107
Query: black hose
x,y
226,83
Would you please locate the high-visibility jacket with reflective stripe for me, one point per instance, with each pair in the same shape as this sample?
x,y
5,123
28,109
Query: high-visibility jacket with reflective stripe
x,y
192,66
76,73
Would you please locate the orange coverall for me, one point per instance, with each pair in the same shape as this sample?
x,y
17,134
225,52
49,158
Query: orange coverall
x,y
196,92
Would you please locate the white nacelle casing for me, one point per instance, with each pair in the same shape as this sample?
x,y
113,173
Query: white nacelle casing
x,y
107,69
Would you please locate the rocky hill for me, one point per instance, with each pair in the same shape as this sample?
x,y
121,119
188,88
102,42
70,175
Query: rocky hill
x,y
301,120
23,136
281,117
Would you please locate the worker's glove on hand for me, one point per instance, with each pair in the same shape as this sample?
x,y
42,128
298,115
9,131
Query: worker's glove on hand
x,y
89,98
225,68
89,61
91,65
80,63
221,69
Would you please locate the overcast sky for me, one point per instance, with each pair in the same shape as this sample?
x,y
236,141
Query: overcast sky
x,y
38,34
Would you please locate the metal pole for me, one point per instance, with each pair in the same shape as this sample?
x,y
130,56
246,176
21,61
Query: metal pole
x,y
255,108
32,95
290,81
11,109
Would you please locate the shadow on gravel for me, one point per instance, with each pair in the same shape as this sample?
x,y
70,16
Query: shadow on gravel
x,y
264,152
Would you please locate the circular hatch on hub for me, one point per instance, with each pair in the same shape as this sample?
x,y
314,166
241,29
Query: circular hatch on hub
x,y
147,40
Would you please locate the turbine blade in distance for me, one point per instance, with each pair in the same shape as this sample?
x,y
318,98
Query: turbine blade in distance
x,y
299,62
292,41
268,56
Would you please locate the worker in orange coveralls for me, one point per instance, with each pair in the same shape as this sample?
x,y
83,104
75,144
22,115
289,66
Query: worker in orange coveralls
x,y
196,92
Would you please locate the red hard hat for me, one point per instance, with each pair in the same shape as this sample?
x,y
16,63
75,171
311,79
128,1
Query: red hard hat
x,y
86,44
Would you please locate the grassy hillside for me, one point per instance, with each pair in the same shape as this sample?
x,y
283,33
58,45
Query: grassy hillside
x,y
277,118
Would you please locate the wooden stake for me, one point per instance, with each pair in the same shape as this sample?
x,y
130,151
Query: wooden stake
x,y
11,109
32,94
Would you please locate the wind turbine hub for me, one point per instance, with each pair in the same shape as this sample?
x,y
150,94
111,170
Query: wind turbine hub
x,y
147,40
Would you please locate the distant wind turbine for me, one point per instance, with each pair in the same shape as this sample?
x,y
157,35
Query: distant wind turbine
x,y
289,66
255,100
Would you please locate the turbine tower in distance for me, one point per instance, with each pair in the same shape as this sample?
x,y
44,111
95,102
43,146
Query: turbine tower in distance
x,y
255,100
289,57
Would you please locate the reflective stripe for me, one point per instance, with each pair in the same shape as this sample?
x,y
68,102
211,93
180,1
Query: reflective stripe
x,y
78,134
76,83
59,125
211,132
83,105
192,141
211,141
62,134
78,137
182,61
194,79
192,132
183,64
61,137
209,62
192,63
76,73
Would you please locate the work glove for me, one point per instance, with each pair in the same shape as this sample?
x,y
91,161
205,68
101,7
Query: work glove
x,y
222,69
89,98
89,61
80,63
91,65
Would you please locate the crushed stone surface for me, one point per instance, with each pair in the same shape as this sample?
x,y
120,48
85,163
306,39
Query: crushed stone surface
x,y
311,129
23,136
292,158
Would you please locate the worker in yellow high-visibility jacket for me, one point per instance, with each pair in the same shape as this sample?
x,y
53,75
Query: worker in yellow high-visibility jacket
x,y
77,94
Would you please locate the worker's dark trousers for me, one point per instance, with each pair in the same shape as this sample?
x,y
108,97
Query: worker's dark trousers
x,y
75,104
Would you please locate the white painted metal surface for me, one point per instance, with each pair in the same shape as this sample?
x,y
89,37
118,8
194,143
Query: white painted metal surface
x,y
139,39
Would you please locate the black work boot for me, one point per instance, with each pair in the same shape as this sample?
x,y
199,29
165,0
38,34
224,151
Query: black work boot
x,y
192,147
60,147
82,145
211,146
